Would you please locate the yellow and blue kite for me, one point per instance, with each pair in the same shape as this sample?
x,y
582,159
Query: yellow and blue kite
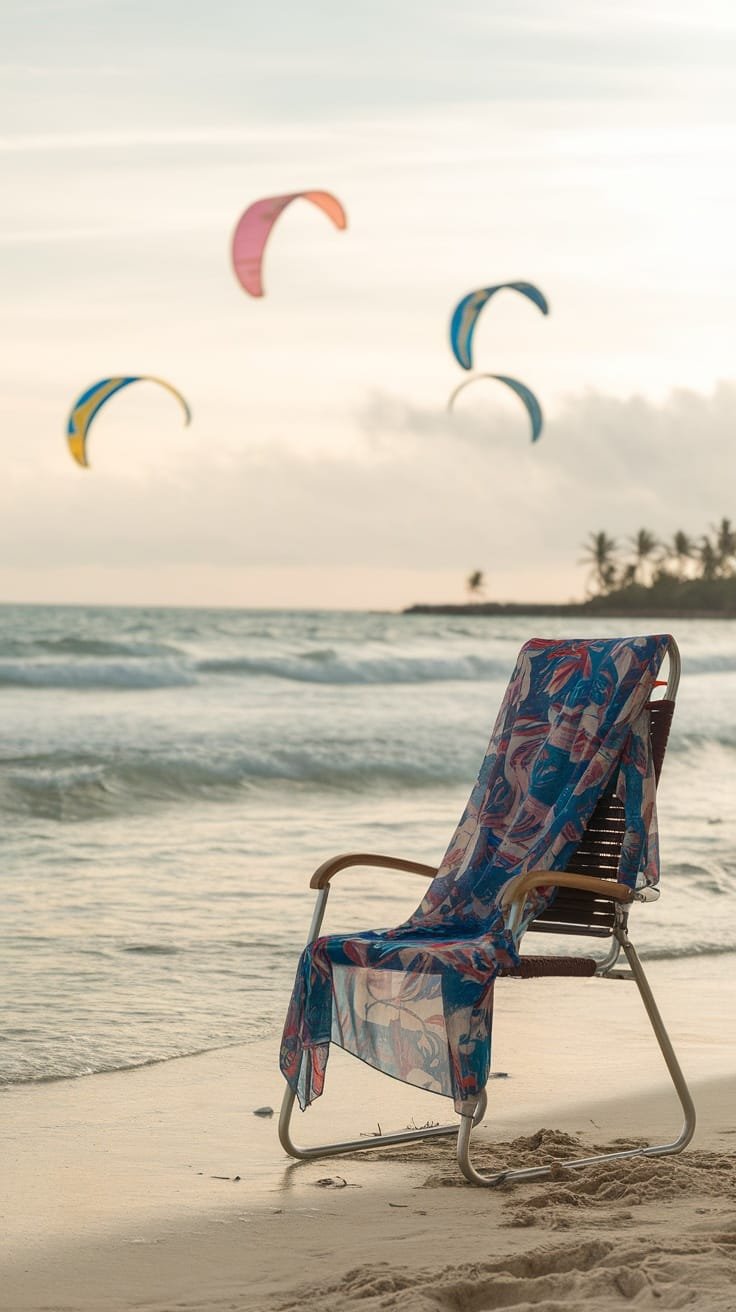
x,y
86,407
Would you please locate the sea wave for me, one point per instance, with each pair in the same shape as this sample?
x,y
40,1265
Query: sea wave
x,y
112,674
706,948
711,663
49,1068
132,669
688,741
326,666
74,790
69,784
78,663
74,645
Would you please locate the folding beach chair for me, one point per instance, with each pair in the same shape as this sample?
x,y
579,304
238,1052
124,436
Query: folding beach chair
x,y
585,895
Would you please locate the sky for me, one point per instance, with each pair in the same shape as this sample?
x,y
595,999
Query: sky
x,y
586,146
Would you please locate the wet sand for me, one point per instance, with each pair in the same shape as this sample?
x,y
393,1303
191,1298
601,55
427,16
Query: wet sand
x,y
159,1188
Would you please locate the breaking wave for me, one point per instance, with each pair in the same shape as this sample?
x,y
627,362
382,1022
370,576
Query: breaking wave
x,y
83,789
326,666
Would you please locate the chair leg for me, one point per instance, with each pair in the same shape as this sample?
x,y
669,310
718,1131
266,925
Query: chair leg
x,y
369,1141
656,1150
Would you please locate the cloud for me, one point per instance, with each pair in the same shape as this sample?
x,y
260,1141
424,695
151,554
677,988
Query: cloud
x,y
297,62
125,139
614,460
414,490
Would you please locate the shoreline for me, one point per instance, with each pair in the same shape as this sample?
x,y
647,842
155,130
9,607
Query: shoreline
x,y
581,609
591,610
159,1186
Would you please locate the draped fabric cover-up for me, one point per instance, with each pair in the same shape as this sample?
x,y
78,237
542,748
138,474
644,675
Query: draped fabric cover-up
x,y
416,1001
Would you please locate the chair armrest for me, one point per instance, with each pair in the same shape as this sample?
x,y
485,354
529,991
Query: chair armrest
x,y
323,874
517,888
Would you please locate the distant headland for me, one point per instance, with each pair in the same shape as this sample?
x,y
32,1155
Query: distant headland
x,y
686,599
685,578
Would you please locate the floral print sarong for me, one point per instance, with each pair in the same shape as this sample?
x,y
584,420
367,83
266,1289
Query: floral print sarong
x,y
416,1001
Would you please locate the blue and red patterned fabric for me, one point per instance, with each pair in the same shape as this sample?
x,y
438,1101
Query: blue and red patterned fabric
x,y
416,1001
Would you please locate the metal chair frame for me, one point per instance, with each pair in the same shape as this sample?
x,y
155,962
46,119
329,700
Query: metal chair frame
x,y
514,894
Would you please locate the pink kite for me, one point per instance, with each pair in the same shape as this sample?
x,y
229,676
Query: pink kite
x,y
254,226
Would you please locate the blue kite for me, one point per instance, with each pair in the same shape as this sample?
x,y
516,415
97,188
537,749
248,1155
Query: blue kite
x,y
533,408
465,316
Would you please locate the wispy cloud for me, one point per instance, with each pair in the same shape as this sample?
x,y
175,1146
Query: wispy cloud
x,y
164,138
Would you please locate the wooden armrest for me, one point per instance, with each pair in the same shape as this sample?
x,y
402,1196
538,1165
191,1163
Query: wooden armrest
x,y
517,888
323,874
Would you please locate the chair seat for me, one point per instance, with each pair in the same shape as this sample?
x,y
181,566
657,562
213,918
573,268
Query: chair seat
x,y
537,967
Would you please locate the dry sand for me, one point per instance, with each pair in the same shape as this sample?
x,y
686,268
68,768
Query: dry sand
x,y
160,1189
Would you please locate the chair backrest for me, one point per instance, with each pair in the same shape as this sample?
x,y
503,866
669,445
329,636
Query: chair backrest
x,y
576,911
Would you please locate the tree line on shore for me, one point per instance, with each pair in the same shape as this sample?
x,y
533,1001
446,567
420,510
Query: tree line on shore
x,y
683,570
646,559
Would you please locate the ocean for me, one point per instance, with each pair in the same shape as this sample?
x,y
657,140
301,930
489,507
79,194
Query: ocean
x,y
169,778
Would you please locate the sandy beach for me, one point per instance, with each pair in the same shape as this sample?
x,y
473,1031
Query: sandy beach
x,y
369,419
159,1188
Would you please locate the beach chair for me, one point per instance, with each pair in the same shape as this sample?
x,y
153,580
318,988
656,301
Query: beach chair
x,y
589,902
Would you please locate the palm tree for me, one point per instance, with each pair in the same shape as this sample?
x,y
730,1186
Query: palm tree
x,y
725,546
708,557
600,553
681,549
643,545
475,583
